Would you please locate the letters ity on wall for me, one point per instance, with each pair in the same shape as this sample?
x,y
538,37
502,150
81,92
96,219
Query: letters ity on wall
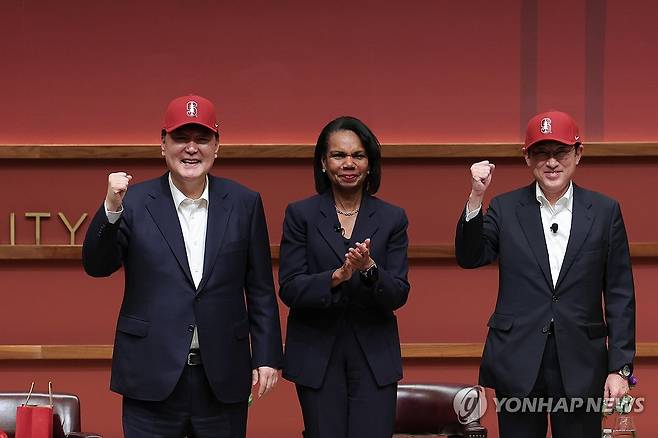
x,y
38,217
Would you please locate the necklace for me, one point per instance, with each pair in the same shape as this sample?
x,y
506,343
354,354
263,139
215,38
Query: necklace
x,y
346,213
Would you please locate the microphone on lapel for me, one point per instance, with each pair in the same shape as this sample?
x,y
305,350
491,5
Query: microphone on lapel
x,y
339,229
554,228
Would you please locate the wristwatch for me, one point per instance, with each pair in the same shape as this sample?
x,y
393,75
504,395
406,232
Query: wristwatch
x,y
625,371
370,275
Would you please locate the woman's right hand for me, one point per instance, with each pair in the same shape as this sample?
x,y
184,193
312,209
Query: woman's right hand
x,y
342,274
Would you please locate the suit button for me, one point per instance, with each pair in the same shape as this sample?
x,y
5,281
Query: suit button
x,y
555,299
190,328
197,299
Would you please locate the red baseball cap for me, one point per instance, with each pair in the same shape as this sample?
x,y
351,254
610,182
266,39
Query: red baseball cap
x,y
191,109
551,125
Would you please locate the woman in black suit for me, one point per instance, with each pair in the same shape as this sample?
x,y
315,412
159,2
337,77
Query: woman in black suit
x,y
343,272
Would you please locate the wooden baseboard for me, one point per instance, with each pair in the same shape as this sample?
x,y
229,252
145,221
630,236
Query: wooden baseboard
x,y
416,252
291,151
409,351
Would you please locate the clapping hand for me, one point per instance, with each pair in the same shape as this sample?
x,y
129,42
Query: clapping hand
x,y
359,256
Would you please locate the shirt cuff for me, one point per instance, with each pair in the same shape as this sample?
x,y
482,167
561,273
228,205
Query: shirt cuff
x,y
113,216
471,214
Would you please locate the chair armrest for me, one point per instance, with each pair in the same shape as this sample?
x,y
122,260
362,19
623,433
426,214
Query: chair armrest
x,y
84,435
475,430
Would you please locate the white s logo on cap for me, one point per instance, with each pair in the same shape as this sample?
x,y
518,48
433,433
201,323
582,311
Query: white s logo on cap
x,y
191,107
545,126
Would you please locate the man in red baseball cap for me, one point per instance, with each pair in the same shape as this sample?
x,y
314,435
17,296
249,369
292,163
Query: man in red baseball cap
x,y
199,323
562,335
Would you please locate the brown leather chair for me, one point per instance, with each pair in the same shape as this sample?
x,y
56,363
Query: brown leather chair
x,y
66,411
427,410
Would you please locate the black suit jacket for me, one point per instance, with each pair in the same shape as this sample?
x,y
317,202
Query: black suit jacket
x,y
235,301
592,302
311,250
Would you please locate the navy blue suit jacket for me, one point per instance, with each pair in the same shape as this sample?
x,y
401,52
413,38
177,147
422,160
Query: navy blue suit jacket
x,y
234,303
311,250
592,302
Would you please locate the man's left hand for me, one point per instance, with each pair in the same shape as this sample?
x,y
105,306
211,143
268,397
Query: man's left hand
x,y
266,378
615,388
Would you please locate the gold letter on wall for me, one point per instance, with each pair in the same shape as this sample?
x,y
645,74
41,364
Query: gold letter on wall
x,y
37,225
12,228
74,228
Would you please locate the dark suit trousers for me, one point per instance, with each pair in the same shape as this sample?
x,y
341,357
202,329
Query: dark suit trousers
x,y
564,424
349,404
191,410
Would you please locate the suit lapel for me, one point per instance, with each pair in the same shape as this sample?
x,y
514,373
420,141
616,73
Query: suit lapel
x,y
327,226
529,218
581,222
219,211
366,225
163,212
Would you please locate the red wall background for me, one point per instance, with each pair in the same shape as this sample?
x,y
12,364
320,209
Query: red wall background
x,y
416,72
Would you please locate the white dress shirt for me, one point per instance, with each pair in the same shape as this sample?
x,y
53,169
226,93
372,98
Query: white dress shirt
x,y
559,214
193,219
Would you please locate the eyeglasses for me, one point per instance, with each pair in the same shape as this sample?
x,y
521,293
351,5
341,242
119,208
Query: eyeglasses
x,y
559,154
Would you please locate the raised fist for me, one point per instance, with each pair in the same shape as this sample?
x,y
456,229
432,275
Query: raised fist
x,y
481,173
117,186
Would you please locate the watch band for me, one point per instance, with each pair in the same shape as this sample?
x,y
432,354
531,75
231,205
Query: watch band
x,y
370,275
625,371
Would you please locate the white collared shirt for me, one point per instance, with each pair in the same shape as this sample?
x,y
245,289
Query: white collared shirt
x,y
559,214
193,219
